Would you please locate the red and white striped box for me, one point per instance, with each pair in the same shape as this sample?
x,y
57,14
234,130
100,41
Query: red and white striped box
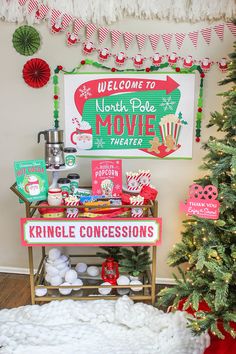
x,y
144,178
137,212
72,201
132,181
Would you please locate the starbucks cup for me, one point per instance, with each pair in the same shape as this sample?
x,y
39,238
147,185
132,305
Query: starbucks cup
x,y
70,156
64,184
74,182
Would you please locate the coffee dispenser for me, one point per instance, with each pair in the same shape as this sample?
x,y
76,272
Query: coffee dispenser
x,y
54,147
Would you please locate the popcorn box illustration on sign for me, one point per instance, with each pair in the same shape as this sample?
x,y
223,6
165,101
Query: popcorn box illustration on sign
x,y
31,179
107,177
202,202
148,115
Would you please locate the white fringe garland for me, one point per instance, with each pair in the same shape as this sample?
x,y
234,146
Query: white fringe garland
x,y
109,11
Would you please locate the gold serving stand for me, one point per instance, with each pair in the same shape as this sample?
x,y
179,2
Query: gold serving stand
x,y
88,291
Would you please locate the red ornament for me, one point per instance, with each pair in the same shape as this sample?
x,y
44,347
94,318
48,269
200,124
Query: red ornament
x,y
199,109
36,72
198,139
55,97
202,75
113,69
60,67
147,70
177,70
110,272
82,62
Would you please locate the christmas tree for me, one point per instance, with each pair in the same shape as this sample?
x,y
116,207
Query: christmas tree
x,y
208,246
113,252
135,260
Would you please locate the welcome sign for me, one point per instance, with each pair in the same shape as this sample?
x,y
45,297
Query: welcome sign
x,y
91,232
130,115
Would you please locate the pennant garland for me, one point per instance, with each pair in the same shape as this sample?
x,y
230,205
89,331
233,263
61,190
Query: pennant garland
x,y
66,20
141,39
22,2
167,38
42,12
194,38
154,39
219,29
115,37
128,39
33,5
90,29
102,34
59,22
78,25
180,37
231,27
206,34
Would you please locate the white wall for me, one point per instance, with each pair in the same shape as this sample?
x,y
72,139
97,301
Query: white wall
x,y
26,111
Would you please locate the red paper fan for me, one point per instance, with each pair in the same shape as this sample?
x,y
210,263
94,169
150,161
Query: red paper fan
x,y
36,72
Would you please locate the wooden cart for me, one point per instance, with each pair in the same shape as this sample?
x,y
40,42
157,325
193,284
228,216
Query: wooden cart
x,y
88,291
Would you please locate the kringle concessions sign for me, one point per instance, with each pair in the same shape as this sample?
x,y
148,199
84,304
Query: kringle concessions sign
x,y
91,232
130,115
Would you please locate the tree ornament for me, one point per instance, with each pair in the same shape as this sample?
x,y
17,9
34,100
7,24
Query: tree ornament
x,y
36,72
206,64
120,58
172,58
222,65
199,109
188,61
177,69
72,38
83,62
104,54
147,70
88,47
138,60
113,69
156,59
26,40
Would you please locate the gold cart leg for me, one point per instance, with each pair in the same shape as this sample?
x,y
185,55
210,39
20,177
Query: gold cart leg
x,y
154,264
43,252
31,269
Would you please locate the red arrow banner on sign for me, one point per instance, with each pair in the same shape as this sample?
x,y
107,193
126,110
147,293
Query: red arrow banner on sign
x,y
107,87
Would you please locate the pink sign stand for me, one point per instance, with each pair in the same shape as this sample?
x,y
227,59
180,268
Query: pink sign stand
x,y
202,202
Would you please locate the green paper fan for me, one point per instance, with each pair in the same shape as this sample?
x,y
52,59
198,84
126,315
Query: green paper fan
x,y
26,40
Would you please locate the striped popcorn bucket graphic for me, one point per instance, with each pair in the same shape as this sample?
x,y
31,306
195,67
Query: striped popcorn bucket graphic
x,y
132,180
144,178
72,212
136,201
170,125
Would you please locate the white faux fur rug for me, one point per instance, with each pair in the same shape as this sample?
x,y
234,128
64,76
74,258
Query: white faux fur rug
x,y
96,327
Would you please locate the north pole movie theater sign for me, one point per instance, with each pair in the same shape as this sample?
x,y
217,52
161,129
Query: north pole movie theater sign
x,y
87,232
130,115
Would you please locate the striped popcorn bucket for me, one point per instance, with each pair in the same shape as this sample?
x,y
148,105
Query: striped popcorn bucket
x,y
71,212
144,178
170,125
132,180
136,201
137,212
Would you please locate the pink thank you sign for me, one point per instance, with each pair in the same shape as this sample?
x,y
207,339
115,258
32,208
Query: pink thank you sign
x,y
202,202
